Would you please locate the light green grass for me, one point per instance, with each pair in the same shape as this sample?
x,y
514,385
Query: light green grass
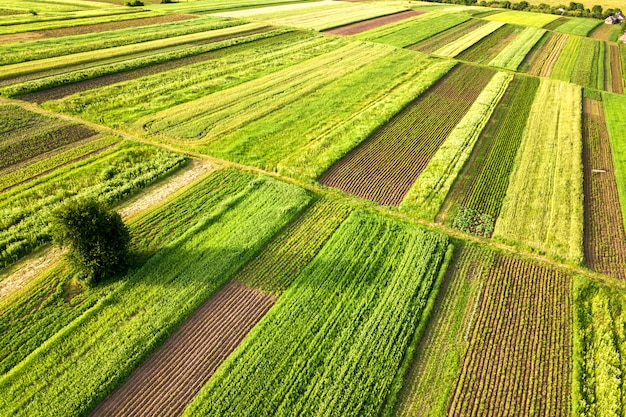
x,y
428,193
523,18
543,206
456,47
514,53
336,341
615,111
580,27
567,59
411,31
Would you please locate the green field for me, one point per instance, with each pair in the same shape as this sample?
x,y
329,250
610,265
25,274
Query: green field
x,y
379,208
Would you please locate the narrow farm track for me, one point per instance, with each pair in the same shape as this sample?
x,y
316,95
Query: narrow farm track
x,y
165,383
29,269
518,358
359,27
385,166
337,194
605,238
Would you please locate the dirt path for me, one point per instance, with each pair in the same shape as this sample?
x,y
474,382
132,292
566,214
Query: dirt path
x,y
27,270
167,382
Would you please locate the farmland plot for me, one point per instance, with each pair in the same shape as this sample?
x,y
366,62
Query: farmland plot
x,y
126,66
432,379
412,31
207,118
615,111
580,27
483,182
109,177
490,46
518,360
542,61
123,103
123,328
606,33
581,62
523,18
599,366
605,238
317,130
354,28
613,70
453,49
448,36
385,166
338,339
543,207
514,53
426,196
54,300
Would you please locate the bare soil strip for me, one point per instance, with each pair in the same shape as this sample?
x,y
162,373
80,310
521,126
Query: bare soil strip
x,y
605,238
385,166
518,362
99,27
69,89
26,270
544,59
601,32
167,382
617,82
354,28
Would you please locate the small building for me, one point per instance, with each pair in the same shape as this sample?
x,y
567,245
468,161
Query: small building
x,y
617,18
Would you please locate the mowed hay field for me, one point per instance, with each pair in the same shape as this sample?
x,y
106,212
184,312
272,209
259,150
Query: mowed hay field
x,y
335,208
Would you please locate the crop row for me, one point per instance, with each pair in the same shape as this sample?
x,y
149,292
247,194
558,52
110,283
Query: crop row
x,y
293,139
432,186
605,238
490,46
483,185
414,30
385,166
125,326
599,367
39,135
124,103
456,47
209,117
432,379
168,380
543,206
543,60
25,211
340,340
27,68
582,62
615,112
448,36
72,74
67,45
609,33
613,79
519,344
283,258
47,162
512,56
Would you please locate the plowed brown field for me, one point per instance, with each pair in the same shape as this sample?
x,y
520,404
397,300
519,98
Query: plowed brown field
x,y
385,166
354,28
518,362
165,383
605,238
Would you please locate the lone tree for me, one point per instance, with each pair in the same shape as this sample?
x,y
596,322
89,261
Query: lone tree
x,y
97,240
